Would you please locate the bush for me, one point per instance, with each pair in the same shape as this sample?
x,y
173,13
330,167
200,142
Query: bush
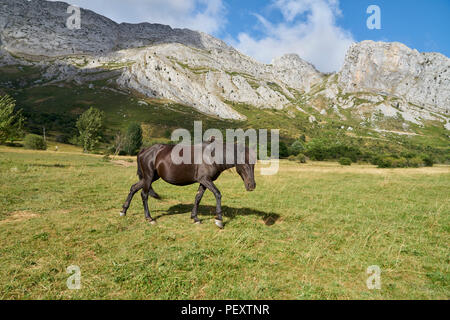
x,y
392,162
284,152
428,161
385,162
400,163
35,142
321,150
296,148
301,158
375,160
415,162
345,161
298,158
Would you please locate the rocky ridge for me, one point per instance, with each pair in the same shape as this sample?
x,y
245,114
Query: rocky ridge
x,y
377,79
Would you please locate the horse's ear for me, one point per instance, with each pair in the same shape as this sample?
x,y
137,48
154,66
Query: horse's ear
x,y
212,139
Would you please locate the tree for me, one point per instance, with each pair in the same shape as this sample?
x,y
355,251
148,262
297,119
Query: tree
x,y
11,123
284,152
296,148
35,142
133,140
90,125
119,141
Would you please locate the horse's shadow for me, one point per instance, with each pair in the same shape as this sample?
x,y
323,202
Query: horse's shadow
x,y
269,218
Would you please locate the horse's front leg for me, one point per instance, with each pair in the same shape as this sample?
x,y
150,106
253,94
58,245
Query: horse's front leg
x,y
211,186
198,198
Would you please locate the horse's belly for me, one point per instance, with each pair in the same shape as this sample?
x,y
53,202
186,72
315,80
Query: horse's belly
x,y
178,182
179,175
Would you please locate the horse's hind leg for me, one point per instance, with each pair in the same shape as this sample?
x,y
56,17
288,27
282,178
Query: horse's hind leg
x,y
134,188
146,191
198,198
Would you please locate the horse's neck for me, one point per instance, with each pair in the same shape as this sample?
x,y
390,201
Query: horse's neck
x,y
225,166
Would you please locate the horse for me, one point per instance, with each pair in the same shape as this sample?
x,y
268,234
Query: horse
x,y
157,162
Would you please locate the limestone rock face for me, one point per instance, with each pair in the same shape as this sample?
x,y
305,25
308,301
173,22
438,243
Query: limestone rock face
x,y
39,28
295,72
394,69
195,69
158,76
204,80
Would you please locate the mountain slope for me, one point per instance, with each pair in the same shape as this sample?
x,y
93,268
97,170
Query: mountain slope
x,y
198,70
394,69
385,91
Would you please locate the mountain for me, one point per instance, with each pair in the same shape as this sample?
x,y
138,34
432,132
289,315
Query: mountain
x,y
382,87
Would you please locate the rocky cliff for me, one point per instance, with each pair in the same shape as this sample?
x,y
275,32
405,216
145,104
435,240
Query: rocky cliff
x,y
197,70
394,69
39,28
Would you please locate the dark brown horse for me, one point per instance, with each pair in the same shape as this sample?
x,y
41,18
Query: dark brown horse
x,y
157,162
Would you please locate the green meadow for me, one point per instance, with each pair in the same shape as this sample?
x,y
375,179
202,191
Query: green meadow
x,y
309,232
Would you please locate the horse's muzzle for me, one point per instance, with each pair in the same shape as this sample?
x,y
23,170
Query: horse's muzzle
x,y
250,187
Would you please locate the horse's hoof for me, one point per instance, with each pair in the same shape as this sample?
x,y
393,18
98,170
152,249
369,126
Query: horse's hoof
x,y
153,222
219,223
122,214
197,222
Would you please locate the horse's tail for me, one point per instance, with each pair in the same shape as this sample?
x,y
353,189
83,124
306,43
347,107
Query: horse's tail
x,y
139,170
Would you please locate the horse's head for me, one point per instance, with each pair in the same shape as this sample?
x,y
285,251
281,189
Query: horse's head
x,y
247,173
247,170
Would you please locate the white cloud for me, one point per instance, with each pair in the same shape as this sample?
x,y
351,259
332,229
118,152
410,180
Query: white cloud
x,y
309,29
202,15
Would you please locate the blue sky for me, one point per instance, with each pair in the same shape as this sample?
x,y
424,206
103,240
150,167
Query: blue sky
x,y
420,24
320,31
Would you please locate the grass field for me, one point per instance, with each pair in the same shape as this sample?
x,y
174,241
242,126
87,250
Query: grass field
x,y
309,232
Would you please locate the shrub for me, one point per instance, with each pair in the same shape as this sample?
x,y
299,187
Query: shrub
x,y
400,163
284,152
296,148
298,158
345,161
321,150
301,158
428,161
415,162
392,162
35,142
375,160
316,150
408,155
385,162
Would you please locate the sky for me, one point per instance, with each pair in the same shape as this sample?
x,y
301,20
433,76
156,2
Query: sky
x,y
319,31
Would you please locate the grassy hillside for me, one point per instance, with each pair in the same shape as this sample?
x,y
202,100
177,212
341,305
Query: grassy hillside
x,y
312,239
57,106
